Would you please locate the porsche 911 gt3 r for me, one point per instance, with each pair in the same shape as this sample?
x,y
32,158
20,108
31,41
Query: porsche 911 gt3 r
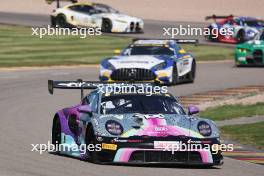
x,y
133,128
243,28
163,61
96,16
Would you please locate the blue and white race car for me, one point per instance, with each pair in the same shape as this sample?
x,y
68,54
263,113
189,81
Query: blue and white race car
x,y
163,61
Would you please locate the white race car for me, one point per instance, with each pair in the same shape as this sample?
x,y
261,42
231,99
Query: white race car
x,y
162,61
93,15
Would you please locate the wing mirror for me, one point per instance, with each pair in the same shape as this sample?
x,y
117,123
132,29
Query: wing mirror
x,y
117,52
85,109
193,110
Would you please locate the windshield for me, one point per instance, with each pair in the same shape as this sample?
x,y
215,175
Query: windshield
x,y
259,36
105,9
254,23
148,50
262,36
155,104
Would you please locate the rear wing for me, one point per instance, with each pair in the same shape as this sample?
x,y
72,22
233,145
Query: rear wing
x,y
218,17
179,41
82,85
79,84
187,41
58,2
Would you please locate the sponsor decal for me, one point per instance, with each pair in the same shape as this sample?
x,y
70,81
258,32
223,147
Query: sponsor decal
x,y
118,140
115,140
190,141
242,58
99,138
166,144
109,146
160,116
204,128
161,129
120,117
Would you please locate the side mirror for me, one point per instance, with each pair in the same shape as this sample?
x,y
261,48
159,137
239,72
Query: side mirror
x,y
117,52
182,51
193,110
85,109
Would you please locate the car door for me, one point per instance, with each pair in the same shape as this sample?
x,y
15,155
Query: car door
x,y
81,14
89,102
230,25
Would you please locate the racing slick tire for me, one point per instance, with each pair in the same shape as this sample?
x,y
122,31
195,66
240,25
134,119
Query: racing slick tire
x,y
90,139
241,36
60,21
53,21
211,37
175,77
56,132
191,75
106,25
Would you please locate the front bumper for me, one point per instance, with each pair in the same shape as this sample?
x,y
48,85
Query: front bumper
x,y
128,27
141,150
253,59
136,75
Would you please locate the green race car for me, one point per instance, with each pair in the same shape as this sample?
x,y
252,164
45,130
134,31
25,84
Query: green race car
x,y
250,53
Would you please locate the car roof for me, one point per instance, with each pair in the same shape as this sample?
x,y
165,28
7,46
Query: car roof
x,y
245,18
154,42
79,3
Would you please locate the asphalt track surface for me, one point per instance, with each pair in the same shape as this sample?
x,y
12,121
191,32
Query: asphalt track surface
x,y
27,110
153,28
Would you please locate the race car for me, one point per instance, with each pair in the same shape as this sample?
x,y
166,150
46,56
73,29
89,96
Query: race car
x,y
250,53
132,127
238,28
163,61
95,15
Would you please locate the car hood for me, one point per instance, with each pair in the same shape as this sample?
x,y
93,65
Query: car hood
x,y
155,125
139,61
252,44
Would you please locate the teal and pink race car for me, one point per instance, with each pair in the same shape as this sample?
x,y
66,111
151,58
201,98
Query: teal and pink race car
x,y
133,127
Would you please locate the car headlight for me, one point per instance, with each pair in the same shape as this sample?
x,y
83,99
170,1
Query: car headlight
x,y
160,66
107,65
252,33
113,127
242,50
121,21
204,128
186,57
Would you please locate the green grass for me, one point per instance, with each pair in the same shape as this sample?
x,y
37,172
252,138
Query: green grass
x,y
233,111
210,53
19,48
250,134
